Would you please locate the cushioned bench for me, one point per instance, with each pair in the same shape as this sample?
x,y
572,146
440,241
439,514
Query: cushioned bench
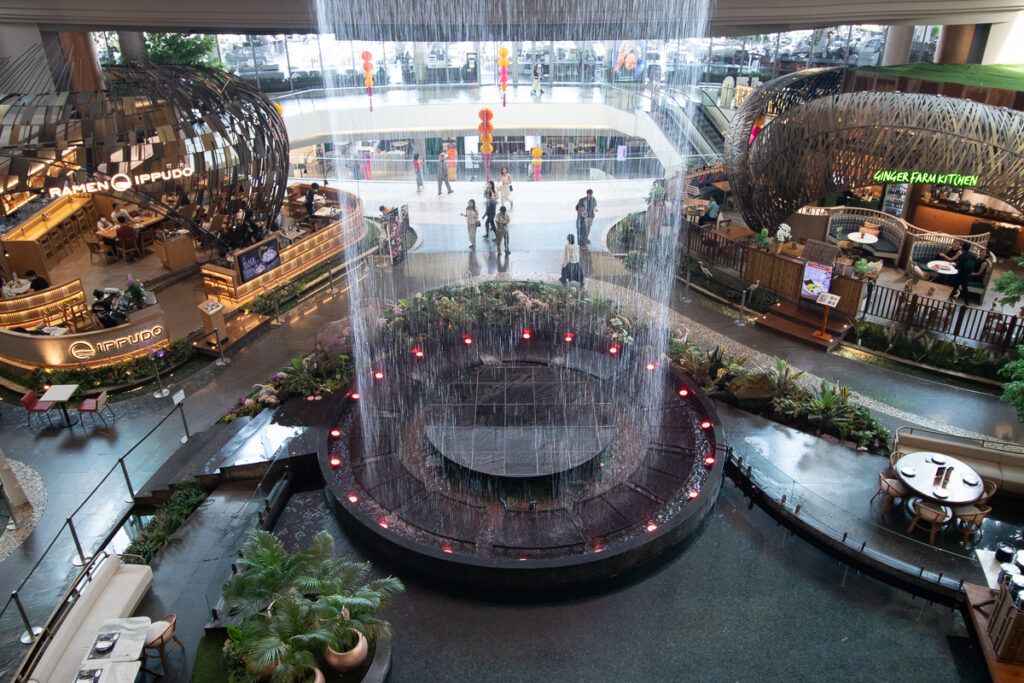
x,y
111,589
890,232
999,461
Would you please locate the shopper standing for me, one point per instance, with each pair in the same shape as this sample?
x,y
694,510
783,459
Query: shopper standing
x,y
417,166
571,269
442,173
505,187
538,71
501,230
585,209
490,209
472,222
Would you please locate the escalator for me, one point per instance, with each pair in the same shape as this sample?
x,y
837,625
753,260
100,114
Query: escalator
x,y
708,129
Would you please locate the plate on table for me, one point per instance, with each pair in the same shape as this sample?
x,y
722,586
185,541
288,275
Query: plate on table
x,y
89,675
908,471
940,493
939,459
971,481
105,642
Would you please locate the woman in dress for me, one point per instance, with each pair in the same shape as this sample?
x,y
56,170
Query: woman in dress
x,y
571,270
472,222
505,187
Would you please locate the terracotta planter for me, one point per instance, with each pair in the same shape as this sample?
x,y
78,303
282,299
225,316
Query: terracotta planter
x,y
318,676
346,661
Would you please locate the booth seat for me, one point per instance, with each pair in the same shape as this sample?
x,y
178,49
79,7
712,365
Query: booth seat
x,y
998,461
890,235
110,589
921,252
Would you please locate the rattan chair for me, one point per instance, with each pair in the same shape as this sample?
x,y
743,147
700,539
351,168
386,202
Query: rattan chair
x,y
160,635
894,457
890,489
936,515
990,490
971,517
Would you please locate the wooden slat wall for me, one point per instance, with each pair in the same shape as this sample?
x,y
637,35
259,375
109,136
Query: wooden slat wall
x,y
782,274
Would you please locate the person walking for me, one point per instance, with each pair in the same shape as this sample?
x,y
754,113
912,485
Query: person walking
x,y
501,230
571,269
538,71
505,187
472,222
442,173
585,209
490,209
417,166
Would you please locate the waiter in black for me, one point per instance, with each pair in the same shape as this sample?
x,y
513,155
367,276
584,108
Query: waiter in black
x,y
309,198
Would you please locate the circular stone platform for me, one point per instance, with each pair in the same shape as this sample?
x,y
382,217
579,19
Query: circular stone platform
x,y
520,421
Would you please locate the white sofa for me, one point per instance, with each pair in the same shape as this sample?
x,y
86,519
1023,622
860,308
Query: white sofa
x,y
111,589
999,461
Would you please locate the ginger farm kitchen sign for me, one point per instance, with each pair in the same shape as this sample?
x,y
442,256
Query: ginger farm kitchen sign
x,y
953,179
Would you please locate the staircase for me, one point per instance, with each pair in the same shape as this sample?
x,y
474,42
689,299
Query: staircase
x,y
800,322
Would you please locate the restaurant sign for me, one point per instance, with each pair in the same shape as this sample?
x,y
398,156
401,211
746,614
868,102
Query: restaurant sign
x,y
120,182
117,346
954,179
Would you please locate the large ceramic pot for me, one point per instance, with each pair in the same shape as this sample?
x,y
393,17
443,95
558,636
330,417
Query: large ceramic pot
x,y
318,676
351,659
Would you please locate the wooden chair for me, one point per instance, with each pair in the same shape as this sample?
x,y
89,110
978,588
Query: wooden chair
x,y
159,636
894,458
971,517
128,246
890,490
933,513
990,490
30,401
97,249
94,406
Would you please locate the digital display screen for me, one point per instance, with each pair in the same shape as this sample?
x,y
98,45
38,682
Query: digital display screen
x,y
629,59
817,280
257,260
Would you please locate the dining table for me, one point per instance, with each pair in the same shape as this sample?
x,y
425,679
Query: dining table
x,y
116,653
61,394
940,478
942,267
16,288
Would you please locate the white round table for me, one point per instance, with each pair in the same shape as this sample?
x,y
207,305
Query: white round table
x,y
16,288
862,238
918,472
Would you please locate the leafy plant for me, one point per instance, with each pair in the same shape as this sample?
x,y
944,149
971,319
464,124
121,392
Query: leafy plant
x,y
286,640
1010,285
1013,391
861,267
829,410
167,519
762,239
184,49
635,259
783,379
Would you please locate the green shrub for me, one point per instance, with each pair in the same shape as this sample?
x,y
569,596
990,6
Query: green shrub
x,y
1013,391
165,522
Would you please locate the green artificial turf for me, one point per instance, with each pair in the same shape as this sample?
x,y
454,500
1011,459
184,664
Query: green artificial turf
x,y
1002,76
209,664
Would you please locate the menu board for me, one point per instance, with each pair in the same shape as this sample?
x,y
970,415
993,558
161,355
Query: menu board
x,y
256,260
817,280
396,222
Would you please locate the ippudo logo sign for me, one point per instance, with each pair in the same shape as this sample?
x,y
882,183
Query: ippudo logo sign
x,y
121,182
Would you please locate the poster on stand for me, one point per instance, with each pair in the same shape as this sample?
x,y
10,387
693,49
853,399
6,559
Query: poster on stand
x,y
817,279
396,221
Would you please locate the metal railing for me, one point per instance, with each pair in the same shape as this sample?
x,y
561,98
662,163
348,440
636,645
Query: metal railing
x,y
957,321
87,531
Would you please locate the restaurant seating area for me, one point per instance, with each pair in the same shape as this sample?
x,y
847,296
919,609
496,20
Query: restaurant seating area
x,y
57,397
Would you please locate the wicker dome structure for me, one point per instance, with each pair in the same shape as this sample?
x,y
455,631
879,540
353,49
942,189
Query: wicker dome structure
x,y
816,139
206,131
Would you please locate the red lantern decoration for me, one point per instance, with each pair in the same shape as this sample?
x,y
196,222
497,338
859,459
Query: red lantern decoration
x,y
486,147
368,75
503,71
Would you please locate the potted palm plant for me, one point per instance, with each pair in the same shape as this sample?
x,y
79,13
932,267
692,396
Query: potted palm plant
x,y
285,641
349,608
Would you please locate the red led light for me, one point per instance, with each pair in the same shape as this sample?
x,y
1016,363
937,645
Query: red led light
x,y
569,337
684,392
382,522
310,397
335,433
418,352
353,498
614,349
651,526
709,460
467,340
705,424
334,461
651,365
447,548
377,374
692,493
355,395
527,334
522,558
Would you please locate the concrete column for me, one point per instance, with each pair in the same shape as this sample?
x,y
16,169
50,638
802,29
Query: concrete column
x,y
1005,44
954,44
514,66
898,40
133,46
419,61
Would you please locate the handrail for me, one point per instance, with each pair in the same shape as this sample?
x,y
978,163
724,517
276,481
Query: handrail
x,y
996,444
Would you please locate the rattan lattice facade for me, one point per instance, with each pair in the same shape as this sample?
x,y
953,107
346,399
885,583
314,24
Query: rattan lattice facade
x,y
149,120
821,141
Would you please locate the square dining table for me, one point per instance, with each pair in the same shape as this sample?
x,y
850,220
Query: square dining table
x,y
61,394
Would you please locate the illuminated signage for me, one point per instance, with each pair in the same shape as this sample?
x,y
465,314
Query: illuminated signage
x,y
85,350
954,179
120,182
